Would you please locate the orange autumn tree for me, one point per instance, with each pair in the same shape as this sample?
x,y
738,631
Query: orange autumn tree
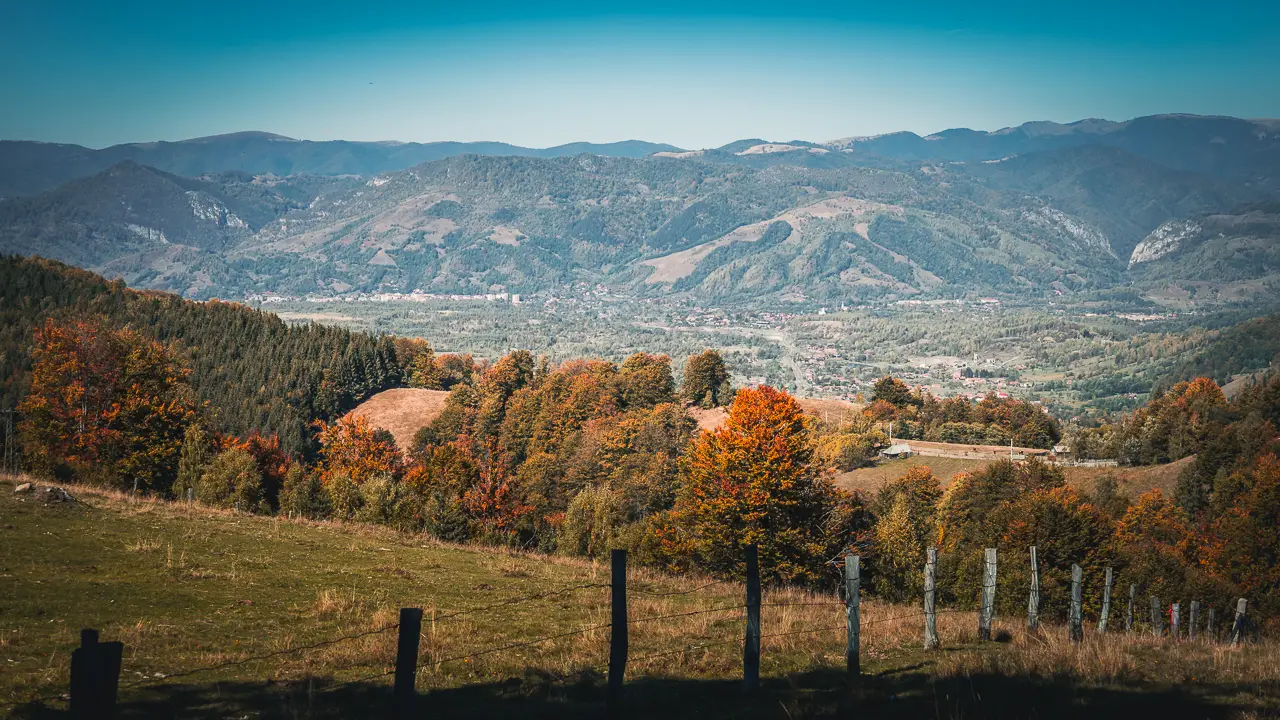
x,y
1244,548
352,448
1156,544
754,480
494,501
106,406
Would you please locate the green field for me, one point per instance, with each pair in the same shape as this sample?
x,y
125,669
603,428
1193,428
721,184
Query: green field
x,y
186,587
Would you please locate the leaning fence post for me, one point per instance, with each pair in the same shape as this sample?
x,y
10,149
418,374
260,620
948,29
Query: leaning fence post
x,y
751,643
1076,618
1193,620
1237,627
988,594
1157,622
930,599
1133,597
1208,630
1175,620
1033,602
852,593
617,632
1106,602
407,660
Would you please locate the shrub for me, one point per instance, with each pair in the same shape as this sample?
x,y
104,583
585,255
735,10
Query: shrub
x,y
303,495
591,522
233,480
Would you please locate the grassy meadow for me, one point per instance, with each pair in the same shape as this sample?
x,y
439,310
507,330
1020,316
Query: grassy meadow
x,y
186,587
1132,481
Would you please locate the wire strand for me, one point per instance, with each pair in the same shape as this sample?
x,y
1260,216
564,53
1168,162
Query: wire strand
x,y
255,658
525,643
679,592
652,618
518,600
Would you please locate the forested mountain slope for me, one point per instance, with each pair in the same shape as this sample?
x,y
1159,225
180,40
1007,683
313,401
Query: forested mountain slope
x,y
475,224
254,371
849,221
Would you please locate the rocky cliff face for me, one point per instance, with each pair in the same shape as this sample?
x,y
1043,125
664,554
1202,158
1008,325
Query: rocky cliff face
x,y
1164,240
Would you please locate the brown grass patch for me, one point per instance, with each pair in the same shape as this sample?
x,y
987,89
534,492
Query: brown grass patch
x,y
402,411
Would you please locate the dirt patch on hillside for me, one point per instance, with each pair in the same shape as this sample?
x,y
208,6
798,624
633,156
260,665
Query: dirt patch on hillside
x,y
708,419
504,235
402,411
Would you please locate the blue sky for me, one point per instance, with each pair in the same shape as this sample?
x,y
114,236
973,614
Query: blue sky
x,y
691,74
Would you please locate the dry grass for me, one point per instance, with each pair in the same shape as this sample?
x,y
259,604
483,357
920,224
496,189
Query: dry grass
x,y
871,479
207,587
1132,481
402,411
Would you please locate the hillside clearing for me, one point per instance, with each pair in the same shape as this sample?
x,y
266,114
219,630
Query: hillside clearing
x,y
1132,481
402,411
185,587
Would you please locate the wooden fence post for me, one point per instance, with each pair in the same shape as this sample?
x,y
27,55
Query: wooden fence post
x,y
1033,602
1208,630
852,596
930,599
95,677
1237,627
1105,618
407,661
751,643
1076,618
1133,597
617,632
85,675
1157,621
988,594
1175,620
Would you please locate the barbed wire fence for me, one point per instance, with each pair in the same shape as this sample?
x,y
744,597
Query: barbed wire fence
x,y
96,666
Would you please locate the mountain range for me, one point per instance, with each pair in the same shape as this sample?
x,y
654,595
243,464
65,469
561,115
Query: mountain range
x,y
1040,210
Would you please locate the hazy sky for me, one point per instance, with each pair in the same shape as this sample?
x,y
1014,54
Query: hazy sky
x,y
692,74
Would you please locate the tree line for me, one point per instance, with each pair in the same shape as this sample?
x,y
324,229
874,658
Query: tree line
x,y
587,455
248,369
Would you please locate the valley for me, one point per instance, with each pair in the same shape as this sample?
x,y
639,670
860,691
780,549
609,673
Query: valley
x,y
1078,360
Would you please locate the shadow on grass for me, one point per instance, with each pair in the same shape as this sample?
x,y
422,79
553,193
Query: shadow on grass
x,y
907,693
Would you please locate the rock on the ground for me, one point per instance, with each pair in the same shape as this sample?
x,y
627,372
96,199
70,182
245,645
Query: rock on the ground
x,y
55,495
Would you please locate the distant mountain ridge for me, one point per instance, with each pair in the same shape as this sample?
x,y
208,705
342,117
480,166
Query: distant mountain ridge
x,y
1237,150
30,167
1040,210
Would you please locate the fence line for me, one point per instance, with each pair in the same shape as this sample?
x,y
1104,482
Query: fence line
x,y
96,680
